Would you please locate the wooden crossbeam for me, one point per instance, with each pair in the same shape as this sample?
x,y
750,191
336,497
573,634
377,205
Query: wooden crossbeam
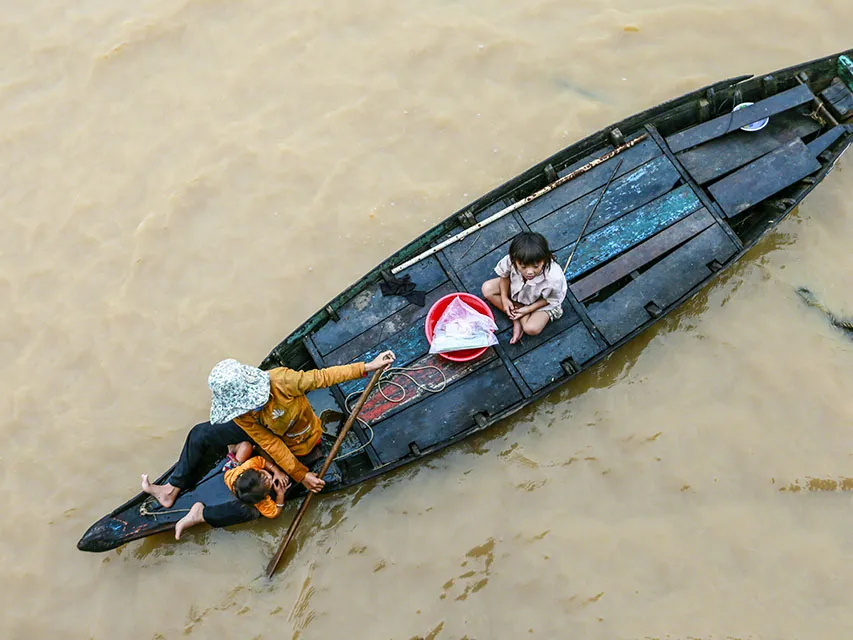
x,y
715,158
642,254
763,178
630,230
733,121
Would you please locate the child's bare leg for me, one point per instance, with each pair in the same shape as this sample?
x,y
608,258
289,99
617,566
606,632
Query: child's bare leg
x,y
534,323
165,493
517,331
194,517
243,451
491,291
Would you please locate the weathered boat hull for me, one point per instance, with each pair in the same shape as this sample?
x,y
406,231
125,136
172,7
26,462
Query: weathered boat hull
x,y
685,203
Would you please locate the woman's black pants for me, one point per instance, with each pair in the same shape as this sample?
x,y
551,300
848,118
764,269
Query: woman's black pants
x,y
204,442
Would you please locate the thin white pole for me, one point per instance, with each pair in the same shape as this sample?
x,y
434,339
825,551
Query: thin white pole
x,y
500,214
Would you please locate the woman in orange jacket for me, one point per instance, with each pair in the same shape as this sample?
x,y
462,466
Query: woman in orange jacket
x,y
271,410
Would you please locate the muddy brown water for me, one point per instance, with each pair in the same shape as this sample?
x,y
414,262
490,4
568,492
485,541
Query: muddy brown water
x,y
182,182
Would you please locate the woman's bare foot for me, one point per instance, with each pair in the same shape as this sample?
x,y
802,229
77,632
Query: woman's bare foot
x,y
165,493
194,517
516,332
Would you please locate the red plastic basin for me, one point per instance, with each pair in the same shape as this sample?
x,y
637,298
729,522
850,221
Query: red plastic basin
x,y
478,304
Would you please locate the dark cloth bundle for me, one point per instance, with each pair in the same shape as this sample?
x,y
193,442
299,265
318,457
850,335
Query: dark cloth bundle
x,y
394,286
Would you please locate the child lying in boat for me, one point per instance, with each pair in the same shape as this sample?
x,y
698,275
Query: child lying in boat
x,y
531,286
254,480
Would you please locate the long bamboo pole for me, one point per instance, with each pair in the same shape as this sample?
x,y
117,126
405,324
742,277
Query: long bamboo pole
x,y
500,214
304,507
592,213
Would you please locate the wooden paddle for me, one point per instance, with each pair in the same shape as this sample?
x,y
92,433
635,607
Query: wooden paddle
x,y
341,435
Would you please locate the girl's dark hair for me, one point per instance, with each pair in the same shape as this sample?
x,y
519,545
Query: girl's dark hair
x,y
530,248
249,487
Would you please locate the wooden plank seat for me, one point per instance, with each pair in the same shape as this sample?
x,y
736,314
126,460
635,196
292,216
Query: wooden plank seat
x,y
489,390
404,334
720,156
825,141
628,231
593,179
409,343
764,177
370,306
647,251
721,125
661,285
556,358
633,190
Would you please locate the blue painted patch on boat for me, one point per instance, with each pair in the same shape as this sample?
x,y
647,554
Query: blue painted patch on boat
x,y
629,230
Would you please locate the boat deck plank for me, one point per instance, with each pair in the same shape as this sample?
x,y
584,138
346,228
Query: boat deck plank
x,y
370,307
596,177
490,210
663,283
436,370
541,366
716,158
642,254
386,329
476,273
732,121
569,318
764,177
634,189
408,345
629,231
823,142
442,416
470,249
839,98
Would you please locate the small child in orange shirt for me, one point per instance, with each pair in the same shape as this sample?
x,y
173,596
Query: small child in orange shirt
x,y
252,479
254,482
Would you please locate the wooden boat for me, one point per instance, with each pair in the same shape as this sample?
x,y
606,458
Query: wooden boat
x,y
679,192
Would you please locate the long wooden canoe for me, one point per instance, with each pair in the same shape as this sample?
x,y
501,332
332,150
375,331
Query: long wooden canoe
x,y
691,194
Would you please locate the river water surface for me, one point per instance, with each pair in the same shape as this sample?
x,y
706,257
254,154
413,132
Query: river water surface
x,y
185,181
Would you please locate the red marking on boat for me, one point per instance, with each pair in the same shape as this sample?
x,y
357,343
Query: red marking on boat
x,y
377,406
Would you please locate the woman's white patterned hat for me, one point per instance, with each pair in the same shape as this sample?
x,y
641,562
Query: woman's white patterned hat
x,y
236,388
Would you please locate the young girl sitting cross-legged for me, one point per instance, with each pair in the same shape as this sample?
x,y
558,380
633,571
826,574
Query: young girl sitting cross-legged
x,y
531,287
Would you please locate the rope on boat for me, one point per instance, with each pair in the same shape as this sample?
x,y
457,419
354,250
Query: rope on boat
x,y
144,511
389,373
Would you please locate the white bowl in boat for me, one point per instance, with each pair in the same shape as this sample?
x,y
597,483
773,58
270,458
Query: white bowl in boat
x,y
754,126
